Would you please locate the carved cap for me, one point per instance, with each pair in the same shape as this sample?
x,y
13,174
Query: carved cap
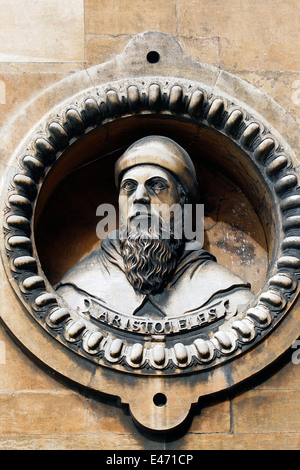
x,y
163,152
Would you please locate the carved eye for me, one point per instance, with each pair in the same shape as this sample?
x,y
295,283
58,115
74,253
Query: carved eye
x,y
129,186
158,185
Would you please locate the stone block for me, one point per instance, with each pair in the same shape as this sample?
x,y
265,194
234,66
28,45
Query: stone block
x,y
38,103
101,48
20,87
249,441
205,50
283,87
286,377
12,360
253,35
70,442
45,31
267,411
212,419
104,418
127,17
39,413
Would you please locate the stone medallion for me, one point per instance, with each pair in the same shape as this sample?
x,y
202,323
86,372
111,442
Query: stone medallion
x,y
159,365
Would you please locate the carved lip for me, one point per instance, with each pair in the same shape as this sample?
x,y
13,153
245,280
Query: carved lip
x,y
141,215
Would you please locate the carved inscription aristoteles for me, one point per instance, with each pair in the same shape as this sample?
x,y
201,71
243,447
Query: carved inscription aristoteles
x,y
103,336
170,325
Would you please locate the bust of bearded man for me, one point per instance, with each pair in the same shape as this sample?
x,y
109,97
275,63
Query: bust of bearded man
x,y
145,274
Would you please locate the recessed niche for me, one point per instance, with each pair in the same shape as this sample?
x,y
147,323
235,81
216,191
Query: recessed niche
x,y
237,225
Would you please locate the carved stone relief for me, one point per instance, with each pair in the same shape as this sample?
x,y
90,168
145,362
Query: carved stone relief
x,y
175,334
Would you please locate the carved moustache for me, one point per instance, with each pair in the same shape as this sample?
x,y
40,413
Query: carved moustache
x,y
142,220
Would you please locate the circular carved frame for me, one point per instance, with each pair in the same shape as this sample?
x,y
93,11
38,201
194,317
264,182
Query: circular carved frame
x,y
198,363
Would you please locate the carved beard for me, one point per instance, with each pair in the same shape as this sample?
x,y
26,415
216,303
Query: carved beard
x,y
149,260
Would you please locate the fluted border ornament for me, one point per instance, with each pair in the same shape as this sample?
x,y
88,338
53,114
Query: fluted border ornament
x,y
182,99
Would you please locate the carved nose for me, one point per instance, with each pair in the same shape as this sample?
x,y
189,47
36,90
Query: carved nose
x,y
141,195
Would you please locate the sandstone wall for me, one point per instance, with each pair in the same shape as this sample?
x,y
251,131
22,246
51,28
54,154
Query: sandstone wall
x,y
44,41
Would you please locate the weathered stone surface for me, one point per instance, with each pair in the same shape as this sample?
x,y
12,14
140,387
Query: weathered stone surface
x,y
28,413
251,34
31,378
48,32
126,17
21,87
212,419
234,441
266,411
202,49
102,47
84,441
106,419
284,87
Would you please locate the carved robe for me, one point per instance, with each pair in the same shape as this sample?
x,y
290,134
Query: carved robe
x,y
198,281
